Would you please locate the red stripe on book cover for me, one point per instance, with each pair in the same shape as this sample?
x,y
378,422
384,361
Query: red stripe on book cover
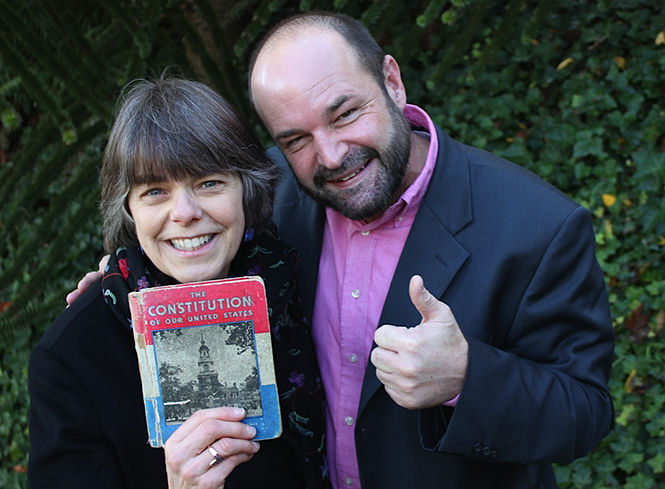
x,y
202,303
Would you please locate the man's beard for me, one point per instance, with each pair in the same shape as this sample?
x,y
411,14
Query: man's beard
x,y
368,198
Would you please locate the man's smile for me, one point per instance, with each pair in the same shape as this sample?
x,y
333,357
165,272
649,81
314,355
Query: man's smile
x,y
351,175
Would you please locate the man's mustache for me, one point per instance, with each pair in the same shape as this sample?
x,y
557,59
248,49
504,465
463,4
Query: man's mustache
x,y
352,161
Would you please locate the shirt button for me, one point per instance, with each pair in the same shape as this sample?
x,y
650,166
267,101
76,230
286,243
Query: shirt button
x,y
355,294
364,233
348,420
348,481
400,218
353,358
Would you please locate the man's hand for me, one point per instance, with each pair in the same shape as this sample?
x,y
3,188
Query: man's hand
x,y
423,366
86,282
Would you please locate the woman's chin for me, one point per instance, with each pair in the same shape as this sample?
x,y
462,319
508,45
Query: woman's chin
x,y
197,275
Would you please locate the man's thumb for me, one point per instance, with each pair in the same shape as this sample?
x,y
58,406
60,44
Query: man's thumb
x,y
426,303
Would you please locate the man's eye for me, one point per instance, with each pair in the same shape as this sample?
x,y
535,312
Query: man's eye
x,y
294,141
347,114
153,192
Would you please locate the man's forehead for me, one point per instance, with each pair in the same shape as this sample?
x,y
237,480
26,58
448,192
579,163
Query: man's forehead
x,y
297,67
302,46
294,35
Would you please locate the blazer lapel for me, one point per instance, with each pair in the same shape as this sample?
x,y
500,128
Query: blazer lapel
x,y
431,249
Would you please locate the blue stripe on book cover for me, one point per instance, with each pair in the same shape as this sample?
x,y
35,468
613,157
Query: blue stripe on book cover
x,y
267,426
270,424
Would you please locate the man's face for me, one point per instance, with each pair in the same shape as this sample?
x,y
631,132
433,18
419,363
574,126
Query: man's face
x,y
344,136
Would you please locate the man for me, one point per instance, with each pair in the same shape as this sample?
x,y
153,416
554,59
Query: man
x,y
507,373
502,367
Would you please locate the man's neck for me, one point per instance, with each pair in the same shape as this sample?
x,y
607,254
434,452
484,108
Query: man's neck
x,y
417,159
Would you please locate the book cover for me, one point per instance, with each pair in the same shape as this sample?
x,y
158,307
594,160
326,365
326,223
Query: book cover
x,y
204,345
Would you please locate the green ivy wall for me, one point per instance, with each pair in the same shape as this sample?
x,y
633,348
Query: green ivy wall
x,y
572,90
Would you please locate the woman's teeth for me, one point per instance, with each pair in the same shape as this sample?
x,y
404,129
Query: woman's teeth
x,y
191,244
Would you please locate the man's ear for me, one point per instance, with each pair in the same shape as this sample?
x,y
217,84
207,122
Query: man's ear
x,y
393,81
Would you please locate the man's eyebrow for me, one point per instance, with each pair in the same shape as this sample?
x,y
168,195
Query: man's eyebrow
x,y
337,104
287,134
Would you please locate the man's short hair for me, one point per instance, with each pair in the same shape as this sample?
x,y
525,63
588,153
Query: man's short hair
x,y
368,52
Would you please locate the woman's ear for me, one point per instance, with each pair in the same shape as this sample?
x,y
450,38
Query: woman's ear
x,y
393,81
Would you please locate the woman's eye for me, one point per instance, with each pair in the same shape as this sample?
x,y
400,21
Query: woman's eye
x,y
210,184
153,192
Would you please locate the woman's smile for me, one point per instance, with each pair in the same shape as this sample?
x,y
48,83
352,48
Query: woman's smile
x,y
191,244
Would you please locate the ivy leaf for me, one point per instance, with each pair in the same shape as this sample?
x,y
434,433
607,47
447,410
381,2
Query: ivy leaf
x,y
564,63
629,385
584,147
657,463
630,461
660,38
638,324
609,200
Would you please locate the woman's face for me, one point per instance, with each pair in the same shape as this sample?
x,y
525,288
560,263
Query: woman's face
x,y
190,229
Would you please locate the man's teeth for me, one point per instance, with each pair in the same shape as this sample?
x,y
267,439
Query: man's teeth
x,y
191,244
352,175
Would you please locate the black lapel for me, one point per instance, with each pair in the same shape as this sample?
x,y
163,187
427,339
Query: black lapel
x,y
431,249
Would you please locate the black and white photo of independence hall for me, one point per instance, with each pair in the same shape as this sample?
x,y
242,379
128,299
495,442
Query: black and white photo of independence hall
x,y
207,366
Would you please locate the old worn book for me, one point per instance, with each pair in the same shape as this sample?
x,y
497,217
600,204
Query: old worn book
x,y
204,345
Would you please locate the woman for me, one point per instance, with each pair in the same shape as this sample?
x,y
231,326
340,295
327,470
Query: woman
x,y
187,194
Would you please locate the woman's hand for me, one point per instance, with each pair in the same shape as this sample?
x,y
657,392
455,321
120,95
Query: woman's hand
x,y
190,463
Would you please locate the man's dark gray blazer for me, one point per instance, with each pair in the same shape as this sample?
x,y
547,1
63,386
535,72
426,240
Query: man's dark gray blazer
x,y
515,260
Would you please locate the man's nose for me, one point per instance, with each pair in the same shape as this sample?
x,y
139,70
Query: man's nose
x,y
330,151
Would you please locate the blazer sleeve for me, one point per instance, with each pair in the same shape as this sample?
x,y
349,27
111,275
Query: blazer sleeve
x,y
541,395
67,448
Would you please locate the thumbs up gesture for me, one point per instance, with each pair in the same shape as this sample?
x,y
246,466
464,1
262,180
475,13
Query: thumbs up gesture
x,y
423,366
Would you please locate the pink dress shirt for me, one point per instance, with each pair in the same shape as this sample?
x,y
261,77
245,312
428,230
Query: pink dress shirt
x,y
357,264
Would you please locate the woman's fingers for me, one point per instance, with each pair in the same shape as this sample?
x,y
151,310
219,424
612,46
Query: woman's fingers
x,y
207,425
230,451
206,448
211,467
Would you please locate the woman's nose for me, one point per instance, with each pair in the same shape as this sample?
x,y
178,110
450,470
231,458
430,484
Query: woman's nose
x,y
185,208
